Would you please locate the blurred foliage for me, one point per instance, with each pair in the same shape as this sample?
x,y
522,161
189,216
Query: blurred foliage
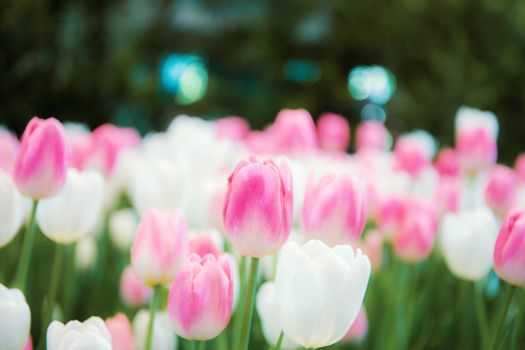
x,y
96,60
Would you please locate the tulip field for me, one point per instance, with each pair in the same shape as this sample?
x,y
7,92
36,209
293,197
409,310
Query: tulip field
x,y
211,235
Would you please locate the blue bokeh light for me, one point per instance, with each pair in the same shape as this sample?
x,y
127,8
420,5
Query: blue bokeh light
x,y
185,76
375,83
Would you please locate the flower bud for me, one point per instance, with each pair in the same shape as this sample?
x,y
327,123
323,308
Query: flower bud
x,y
501,193
160,247
258,207
121,333
40,166
509,260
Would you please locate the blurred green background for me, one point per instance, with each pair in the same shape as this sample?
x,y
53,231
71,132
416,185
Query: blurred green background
x,y
99,60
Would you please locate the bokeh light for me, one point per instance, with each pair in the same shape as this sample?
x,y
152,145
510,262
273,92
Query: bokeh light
x,y
185,76
374,83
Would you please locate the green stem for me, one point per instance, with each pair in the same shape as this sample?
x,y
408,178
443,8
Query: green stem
x,y
53,290
279,341
27,248
202,345
248,306
481,316
152,309
221,341
496,339
240,306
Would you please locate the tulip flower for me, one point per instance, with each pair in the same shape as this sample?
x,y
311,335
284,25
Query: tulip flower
x,y
121,333
319,291
232,128
132,290
12,209
413,152
9,147
334,209
447,162
85,253
122,227
371,135
415,238
203,243
78,143
476,138
157,183
519,167
15,319
91,334
509,260
333,131
74,212
29,344
501,192
467,241
40,166
201,297
268,311
357,332
162,335
160,247
258,208
448,196
294,132
107,143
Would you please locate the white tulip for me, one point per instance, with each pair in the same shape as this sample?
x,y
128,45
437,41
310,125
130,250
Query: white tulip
x,y
467,241
319,291
268,311
158,183
123,224
74,212
12,209
85,253
163,337
466,117
91,334
15,319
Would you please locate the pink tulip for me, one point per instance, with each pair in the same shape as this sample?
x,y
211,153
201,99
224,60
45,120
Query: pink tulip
x,y
201,297
333,131
415,238
40,166
509,257
203,244
132,290
260,142
79,144
519,167
232,128
373,248
390,215
371,135
258,207
448,194
447,162
294,132
121,333
359,328
476,139
9,146
334,209
412,155
160,247
107,142
501,192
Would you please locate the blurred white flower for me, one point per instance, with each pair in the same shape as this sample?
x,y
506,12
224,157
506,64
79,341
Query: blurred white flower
x,y
91,334
15,319
123,225
163,337
12,209
85,253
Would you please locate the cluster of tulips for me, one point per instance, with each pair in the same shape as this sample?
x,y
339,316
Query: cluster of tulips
x,y
238,239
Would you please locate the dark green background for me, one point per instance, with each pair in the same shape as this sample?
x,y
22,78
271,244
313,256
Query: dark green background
x,y
97,60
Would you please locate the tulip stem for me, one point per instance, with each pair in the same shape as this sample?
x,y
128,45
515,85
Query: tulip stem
x,y
482,316
508,301
279,341
27,248
53,289
152,309
202,345
248,306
